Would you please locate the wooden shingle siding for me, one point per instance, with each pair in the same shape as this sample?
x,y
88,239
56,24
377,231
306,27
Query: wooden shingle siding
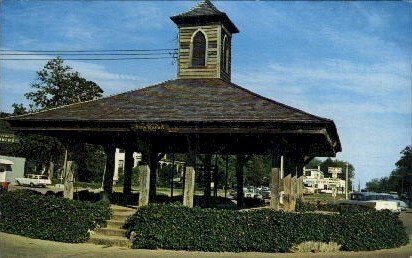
x,y
185,69
225,75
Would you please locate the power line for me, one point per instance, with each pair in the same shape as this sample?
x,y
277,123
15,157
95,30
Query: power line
x,y
89,54
78,59
82,51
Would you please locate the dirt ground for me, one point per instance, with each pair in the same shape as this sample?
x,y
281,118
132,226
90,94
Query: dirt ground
x,y
17,246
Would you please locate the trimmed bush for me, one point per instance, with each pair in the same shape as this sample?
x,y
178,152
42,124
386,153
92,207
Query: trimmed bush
x,y
341,208
174,226
50,217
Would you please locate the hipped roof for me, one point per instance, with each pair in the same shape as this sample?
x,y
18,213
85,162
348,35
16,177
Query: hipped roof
x,y
190,100
187,101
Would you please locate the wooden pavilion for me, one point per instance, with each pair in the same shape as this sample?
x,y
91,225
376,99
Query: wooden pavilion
x,y
200,112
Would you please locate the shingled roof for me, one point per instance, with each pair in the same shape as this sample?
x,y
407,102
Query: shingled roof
x,y
187,100
204,11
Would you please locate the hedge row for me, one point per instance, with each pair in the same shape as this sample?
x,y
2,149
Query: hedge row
x,y
50,217
343,208
177,227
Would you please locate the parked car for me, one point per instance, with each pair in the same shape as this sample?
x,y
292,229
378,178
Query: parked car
x,y
251,192
33,180
394,197
371,199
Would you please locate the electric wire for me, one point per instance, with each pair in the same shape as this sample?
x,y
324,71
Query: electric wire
x,y
97,50
79,59
100,54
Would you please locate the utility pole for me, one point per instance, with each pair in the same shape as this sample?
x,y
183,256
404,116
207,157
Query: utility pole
x,y
346,181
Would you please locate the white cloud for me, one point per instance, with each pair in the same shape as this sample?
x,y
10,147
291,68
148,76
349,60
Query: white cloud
x,y
109,81
382,87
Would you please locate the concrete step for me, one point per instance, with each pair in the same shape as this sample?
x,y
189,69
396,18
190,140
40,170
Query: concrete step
x,y
99,239
121,215
111,231
117,208
115,223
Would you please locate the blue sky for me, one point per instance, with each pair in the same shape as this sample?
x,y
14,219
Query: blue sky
x,y
348,61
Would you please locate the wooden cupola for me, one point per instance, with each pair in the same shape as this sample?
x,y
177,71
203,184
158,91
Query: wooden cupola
x,y
205,36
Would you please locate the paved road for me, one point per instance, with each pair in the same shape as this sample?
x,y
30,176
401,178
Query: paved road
x,y
17,246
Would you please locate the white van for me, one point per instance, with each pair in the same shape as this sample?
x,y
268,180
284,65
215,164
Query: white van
x,y
5,167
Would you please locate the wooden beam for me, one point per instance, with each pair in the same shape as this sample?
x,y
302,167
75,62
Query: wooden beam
x,y
275,188
207,179
144,175
68,180
109,172
128,170
240,162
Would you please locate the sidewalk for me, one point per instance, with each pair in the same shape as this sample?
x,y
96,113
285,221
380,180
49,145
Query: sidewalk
x,y
17,246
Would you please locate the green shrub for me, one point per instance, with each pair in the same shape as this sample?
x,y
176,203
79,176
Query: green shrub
x,y
344,208
50,217
305,206
341,208
174,226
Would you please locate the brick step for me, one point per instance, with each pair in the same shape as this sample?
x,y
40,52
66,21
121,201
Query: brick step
x,y
111,231
115,223
99,239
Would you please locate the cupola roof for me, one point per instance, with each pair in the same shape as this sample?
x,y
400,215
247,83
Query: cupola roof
x,y
204,12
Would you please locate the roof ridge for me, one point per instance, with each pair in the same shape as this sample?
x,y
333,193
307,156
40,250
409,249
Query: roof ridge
x,y
201,5
211,5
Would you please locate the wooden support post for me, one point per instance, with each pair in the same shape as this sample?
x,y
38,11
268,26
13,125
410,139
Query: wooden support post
x,y
109,172
276,179
172,175
207,180
189,186
293,193
128,170
153,160
226,174
50,171
68,180
215,177
301,188
239,180
144,175
275,188
287,192
297,188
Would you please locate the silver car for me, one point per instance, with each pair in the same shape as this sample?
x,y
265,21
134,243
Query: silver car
x,y
371,199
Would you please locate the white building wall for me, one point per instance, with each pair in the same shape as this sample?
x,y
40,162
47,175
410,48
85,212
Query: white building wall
x,y
119,157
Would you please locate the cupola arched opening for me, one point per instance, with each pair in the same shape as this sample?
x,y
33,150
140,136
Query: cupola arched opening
x,y
198,49
226,53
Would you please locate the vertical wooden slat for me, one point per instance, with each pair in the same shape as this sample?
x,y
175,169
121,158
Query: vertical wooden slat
x,y
144,175
275,188
68,181
189,188
287,191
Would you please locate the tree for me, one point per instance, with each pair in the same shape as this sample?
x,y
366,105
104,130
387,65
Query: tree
x,y
58,84
18,109
400,179
403,173
257,170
